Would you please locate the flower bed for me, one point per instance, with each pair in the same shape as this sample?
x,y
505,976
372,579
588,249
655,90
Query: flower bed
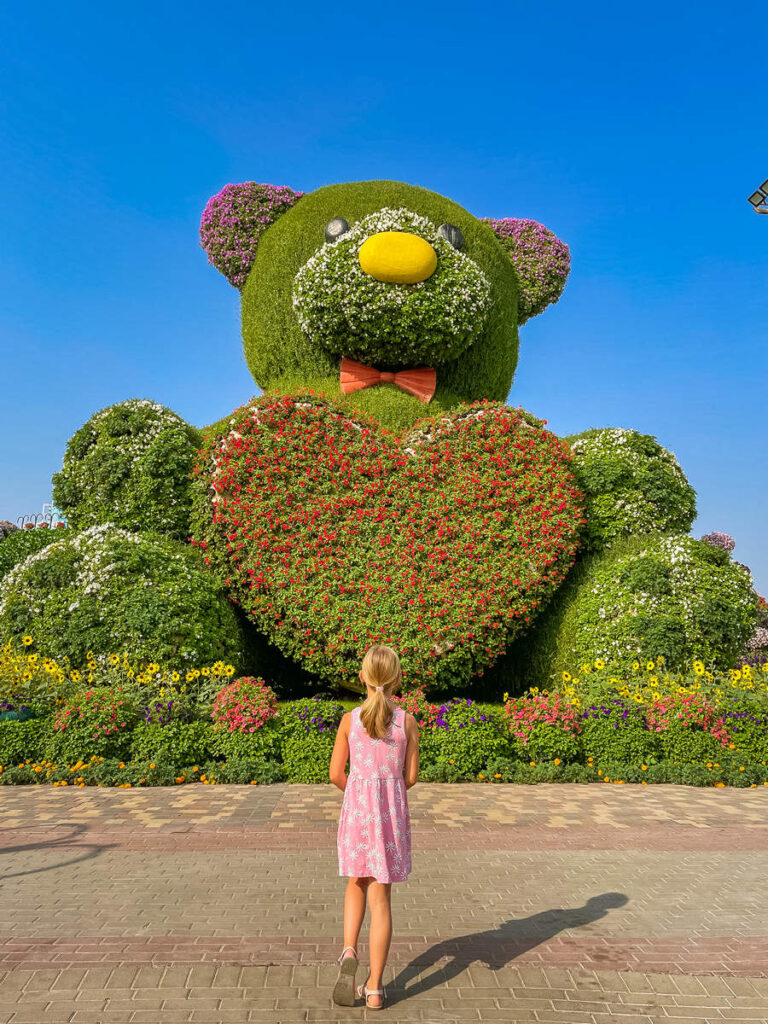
x,y
133,724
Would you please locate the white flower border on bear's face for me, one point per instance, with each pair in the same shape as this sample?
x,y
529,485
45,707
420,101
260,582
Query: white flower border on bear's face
x,y
463,308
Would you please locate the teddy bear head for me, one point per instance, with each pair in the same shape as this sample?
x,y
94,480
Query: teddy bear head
x,y
380,283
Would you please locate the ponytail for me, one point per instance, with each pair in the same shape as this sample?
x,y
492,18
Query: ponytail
x,y
380,669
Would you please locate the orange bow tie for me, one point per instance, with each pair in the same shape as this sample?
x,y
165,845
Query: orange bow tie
x,y
355,376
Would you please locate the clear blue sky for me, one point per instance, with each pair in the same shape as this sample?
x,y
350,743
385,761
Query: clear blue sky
x,y
635,133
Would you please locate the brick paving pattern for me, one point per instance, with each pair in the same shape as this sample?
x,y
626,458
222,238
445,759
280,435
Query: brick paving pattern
x,y
554,904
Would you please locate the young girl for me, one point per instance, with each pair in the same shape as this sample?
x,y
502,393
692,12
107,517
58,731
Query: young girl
x,y
381,742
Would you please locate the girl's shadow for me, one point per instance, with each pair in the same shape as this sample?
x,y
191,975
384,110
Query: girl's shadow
x,y
498,946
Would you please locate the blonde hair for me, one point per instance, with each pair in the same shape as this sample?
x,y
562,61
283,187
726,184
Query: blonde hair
x,y
381,667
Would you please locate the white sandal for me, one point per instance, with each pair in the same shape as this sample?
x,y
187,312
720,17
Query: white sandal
x,y
344,990
364,992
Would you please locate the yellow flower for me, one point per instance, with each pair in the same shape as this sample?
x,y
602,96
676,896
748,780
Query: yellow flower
x,y
27,640
114,659
229,670
635,665
153,667
557,760
481,776
650,666
599,663
532,764
505,698
75,676
190,676
205,671
175,677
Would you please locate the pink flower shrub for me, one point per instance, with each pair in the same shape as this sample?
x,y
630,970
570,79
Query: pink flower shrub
x,y
234,220
525,713
690,711
244,705
541,259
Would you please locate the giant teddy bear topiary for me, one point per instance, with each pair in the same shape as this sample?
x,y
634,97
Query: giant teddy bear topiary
x,y
379,490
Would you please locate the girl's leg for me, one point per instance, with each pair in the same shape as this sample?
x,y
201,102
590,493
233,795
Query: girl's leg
x,y
354,909
380,902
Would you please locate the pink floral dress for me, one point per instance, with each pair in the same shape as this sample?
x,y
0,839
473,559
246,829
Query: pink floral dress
x,y
374,836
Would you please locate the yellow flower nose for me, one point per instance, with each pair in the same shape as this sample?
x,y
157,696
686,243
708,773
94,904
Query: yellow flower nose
x,y
398,257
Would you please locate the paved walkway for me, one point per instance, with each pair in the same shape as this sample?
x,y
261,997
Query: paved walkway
x,y
553,904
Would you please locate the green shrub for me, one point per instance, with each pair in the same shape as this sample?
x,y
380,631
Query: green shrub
x,y
20,741
631,486
177,742
644,597
443,771
746,718
264,744
17,546
688,743
547,742
241,771
307,737
97,721
463,732
129,465
613,729
107,590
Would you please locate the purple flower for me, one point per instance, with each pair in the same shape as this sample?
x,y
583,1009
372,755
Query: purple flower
x,y
541,259
720,540
234,220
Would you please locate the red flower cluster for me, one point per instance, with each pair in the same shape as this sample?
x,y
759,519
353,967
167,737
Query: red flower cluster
x,y
334,535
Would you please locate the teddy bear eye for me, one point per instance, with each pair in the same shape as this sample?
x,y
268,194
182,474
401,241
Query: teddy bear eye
x,y
336,228
452,234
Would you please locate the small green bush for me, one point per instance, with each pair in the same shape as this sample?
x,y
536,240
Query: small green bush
x,y
631,486
107,590
177,742
20,741
613,729
264,744
17,546
464,732
641,598
307,737
129,465
746,718
546,743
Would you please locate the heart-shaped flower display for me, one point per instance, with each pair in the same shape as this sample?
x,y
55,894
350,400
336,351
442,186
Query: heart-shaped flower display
x,y
334,535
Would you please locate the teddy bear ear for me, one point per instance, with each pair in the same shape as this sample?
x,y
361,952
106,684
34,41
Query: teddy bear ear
x,y
542,262
234,220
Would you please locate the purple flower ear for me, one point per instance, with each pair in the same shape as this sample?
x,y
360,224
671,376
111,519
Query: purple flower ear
x,y
541,260
234,220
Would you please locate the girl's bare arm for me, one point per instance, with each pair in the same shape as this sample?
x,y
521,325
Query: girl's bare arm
x,y
338,770
411,763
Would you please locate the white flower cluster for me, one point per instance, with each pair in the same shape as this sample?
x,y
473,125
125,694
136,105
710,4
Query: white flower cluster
x,y
133,446
350,313
605,621
632,484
